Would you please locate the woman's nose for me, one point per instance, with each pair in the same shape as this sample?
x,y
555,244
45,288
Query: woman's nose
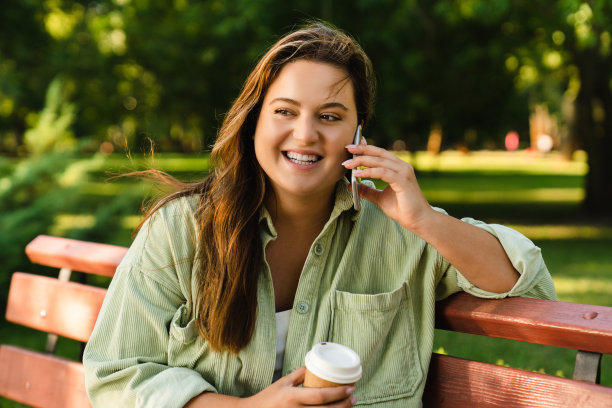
x,y
305,131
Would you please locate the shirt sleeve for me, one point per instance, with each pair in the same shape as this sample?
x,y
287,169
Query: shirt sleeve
x,y
126,358
534,281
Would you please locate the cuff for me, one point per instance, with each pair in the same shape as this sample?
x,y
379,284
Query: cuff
x,y
524,255
172,388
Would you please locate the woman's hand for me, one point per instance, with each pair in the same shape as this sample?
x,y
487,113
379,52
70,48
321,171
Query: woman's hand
x,y
402,200
285,393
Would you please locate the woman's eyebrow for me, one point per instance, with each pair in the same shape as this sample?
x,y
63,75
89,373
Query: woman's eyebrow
x,y
287,100
334,105
296,103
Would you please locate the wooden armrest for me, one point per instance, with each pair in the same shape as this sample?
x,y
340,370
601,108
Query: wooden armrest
x,y
456,382
66,308
89,257
41,380
559,324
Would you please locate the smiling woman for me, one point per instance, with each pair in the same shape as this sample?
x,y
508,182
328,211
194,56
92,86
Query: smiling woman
x,y
232,279
307,118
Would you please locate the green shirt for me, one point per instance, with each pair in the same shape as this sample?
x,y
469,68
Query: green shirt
x,y
367,283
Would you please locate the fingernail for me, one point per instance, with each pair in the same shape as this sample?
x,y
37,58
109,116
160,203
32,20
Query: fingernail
x,y
353,400
357,173
350,390
350,146
344,163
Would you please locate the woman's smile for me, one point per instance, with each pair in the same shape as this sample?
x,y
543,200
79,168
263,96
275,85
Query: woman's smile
x,y
301,160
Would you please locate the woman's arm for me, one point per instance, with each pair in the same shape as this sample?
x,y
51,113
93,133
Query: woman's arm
x,y
478,255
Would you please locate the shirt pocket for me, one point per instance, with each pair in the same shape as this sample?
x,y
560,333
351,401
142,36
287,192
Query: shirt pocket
x,y
380,328
184,343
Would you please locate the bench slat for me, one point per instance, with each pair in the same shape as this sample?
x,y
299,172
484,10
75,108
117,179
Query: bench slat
x,y
66,308
82,256
456,382
41,380
558,324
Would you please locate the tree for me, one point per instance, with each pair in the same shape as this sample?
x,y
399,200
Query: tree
x,y
589,47
168,71
577,35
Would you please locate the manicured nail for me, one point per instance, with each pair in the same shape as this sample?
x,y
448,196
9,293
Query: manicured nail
x,y
357,173
350,390
350,146
353,400
344,163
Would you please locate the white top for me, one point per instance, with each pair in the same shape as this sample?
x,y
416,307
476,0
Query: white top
x,y
282,328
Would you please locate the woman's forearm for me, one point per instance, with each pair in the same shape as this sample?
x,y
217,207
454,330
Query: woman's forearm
x,y
213,400
477,254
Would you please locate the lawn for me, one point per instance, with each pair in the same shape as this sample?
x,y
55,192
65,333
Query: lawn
x,y
537,195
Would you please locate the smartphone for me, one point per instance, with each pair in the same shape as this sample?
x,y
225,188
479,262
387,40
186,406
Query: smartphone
x,y
354,180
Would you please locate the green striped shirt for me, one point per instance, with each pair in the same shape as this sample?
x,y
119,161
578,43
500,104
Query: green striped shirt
x,y
367,283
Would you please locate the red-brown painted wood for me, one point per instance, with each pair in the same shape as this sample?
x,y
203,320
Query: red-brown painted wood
x,y
560,324
454,383
66,308
41,380
82,256
70,309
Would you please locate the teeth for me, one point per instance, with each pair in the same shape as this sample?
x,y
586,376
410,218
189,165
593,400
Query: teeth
x,y
302,158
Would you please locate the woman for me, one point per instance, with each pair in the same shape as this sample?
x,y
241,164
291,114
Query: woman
x,y
230,281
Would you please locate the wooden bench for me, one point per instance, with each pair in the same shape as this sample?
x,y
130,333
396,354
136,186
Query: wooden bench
x,y
59,307
69,309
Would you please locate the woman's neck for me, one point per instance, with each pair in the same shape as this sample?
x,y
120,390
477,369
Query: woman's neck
x,y
310,212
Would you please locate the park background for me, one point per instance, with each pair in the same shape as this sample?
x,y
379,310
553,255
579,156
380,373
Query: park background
x,y
504,108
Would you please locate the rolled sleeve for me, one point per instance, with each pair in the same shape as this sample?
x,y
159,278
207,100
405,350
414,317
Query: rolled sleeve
x,y
534,280
172,387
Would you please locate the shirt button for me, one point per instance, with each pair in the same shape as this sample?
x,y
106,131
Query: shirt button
x,y
302,307
318,249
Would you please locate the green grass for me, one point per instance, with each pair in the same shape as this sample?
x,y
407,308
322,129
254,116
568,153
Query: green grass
x,y
537,195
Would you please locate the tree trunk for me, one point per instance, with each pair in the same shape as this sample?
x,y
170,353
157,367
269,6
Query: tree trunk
x,y
593,124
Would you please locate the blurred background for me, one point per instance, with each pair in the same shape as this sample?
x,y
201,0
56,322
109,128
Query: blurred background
x,y
503,107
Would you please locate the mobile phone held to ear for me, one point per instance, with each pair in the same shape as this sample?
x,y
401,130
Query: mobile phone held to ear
x,y
358,139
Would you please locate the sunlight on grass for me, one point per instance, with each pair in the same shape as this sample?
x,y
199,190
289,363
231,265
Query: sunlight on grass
x,y
64,223
565,195
593,291
166,162
496,161
131,221
114,189
536,232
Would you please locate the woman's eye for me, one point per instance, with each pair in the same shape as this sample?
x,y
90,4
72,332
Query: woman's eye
x,y
282,112
329,117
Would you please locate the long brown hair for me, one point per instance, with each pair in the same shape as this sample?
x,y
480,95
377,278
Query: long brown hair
x,y
230,199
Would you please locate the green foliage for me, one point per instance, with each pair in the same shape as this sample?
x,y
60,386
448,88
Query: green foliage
x,y
29,197
52,130
438,62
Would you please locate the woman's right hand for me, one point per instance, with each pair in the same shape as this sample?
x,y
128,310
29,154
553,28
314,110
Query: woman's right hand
x,y
285,393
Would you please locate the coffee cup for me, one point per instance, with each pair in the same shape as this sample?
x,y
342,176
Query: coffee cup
x,y
330,365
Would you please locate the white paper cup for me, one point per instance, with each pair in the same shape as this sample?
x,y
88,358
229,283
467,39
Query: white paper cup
x,y
330,365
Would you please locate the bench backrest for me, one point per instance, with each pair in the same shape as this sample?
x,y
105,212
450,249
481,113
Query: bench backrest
x,y
54,305
455,382
59,307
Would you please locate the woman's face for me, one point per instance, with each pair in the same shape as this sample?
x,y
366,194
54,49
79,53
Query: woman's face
x,y
307,117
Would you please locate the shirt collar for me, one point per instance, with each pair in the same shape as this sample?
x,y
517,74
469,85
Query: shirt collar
x,y
343,202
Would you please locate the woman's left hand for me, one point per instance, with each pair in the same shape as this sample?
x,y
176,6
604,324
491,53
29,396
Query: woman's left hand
x,y
402,200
